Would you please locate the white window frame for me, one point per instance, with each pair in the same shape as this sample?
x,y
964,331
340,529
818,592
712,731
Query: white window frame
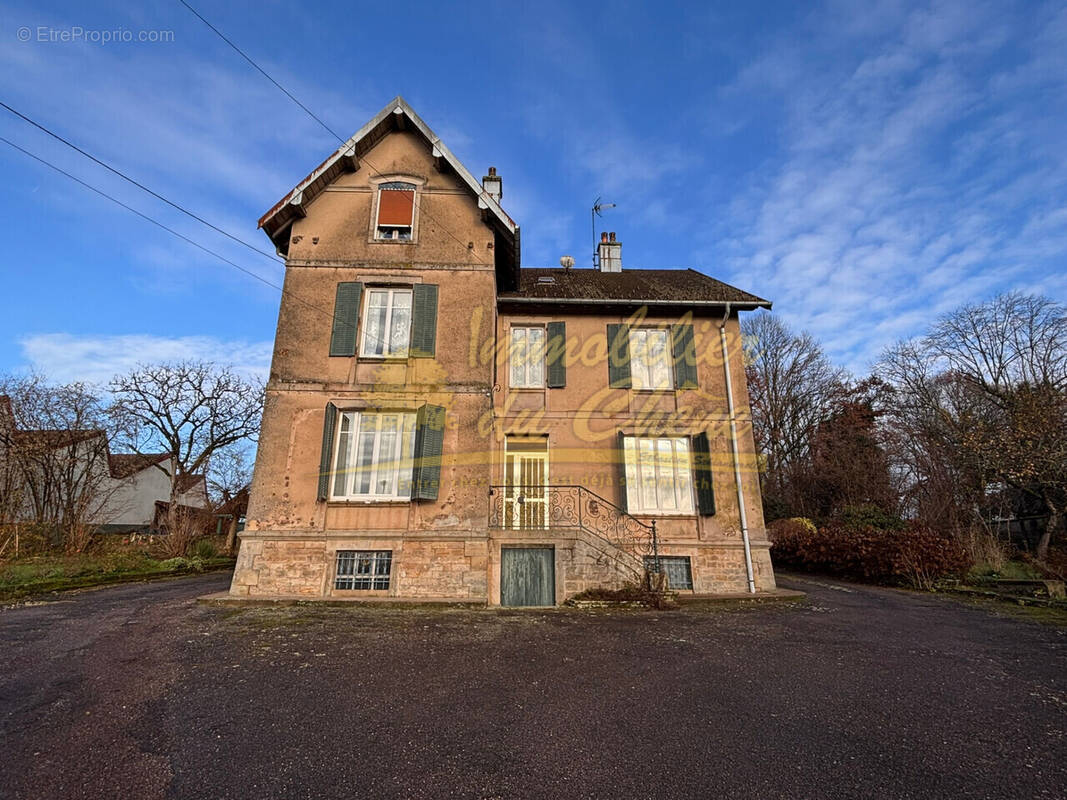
x,y
364,336
662,470
641,368
526,381
395,229
346,470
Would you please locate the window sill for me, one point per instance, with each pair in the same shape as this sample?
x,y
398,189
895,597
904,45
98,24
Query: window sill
x,y
371,501
385,359
527,389
373,240
669,390
361,592
670,514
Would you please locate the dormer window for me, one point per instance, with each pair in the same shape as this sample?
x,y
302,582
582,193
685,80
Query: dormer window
x,y
396,211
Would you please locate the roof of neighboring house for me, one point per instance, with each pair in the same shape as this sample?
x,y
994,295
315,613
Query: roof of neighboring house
x,y
123,465
55,439
238,504
187,482
630,286
397,115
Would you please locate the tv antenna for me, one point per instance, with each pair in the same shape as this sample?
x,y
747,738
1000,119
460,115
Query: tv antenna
x,y
597,208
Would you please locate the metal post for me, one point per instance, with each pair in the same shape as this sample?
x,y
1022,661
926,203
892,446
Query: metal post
x,y
655,549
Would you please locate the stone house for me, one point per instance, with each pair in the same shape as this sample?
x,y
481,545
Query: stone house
x,y
442,423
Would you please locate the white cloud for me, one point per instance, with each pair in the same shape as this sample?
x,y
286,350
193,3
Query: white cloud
x,y
64,357
916,170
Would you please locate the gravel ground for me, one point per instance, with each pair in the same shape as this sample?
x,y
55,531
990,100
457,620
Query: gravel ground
x,y
137,692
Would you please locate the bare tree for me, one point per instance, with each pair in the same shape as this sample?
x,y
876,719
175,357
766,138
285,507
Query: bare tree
x,y
982,403
229,479
193,411
791,386
56,448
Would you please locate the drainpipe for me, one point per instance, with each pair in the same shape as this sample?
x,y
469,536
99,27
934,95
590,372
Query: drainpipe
x,y
734,451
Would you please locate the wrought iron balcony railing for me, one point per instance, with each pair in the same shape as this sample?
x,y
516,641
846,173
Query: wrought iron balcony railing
x,y
538,507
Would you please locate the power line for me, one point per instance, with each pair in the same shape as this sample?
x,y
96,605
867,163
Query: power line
x,y
173,232
289,94
136,183
262,72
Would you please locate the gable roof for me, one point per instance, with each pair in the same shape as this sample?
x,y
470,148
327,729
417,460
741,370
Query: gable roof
x,y
397,115
628,287
54,439
186,483
123,465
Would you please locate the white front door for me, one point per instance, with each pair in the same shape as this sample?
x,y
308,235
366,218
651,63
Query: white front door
x,y
525,482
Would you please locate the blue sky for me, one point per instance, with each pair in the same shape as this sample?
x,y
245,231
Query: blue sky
x,y
864,165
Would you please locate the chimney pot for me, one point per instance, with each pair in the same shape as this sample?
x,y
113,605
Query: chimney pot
x,y
609,253
492,185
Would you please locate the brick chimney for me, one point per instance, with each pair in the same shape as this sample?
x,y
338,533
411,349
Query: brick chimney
x,y
492,185
609,253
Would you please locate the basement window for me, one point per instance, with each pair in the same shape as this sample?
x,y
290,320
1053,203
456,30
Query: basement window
x,y
677,568
396,211
363,569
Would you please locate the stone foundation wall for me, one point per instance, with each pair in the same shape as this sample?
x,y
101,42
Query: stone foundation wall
x,y
469,568
273,567
441,569
454,568
720,568
590,564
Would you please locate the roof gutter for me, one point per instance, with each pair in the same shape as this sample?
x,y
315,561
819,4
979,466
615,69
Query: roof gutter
x,y
731,412
737,304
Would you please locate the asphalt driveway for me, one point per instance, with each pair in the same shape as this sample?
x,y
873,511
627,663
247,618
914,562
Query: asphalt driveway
x,y
137,692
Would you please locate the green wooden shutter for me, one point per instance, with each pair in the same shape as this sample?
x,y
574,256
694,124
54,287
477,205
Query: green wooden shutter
x,y
326,459
555,354
424,321
429,445
702,474
619,356
345,318
620,454
685,357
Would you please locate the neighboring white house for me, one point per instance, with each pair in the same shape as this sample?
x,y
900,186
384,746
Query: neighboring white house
x,y
120,491
143,480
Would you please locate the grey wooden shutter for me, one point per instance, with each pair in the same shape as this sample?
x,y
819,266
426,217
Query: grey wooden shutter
x,y
620,454
326,459
555,354
424,321
619,357
429,445
345,318
702,474
685,357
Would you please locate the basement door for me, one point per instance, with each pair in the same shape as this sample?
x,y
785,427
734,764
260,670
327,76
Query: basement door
x,y
527,576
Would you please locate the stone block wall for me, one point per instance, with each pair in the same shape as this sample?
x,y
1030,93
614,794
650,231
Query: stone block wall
x,y
468,569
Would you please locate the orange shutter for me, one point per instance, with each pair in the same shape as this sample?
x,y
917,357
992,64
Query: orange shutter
x,y
395,207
